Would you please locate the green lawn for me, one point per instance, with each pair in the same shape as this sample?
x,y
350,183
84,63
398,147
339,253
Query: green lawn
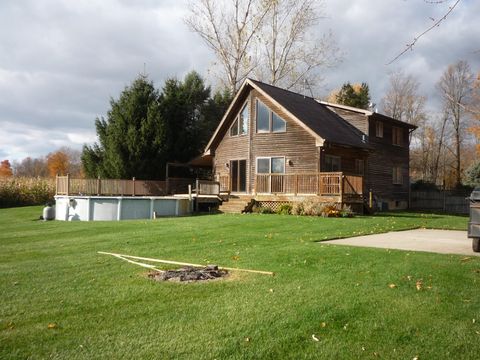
x,y
104,308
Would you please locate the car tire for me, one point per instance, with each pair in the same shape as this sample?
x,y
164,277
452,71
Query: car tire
x,y
476,244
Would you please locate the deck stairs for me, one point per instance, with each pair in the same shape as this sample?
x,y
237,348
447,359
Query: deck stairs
x,y
235,204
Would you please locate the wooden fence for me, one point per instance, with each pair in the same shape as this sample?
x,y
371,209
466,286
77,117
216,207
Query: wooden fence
x,y
446,201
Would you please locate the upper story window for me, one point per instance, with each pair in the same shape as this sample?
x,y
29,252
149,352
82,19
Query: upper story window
x,y
397,136
240,125
379,129
332,163
268,121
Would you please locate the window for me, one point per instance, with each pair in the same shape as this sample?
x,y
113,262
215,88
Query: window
x,y
332,163
359,166
263,118
271,165
240,125
397,138
268,121
379,129
278,124
397,175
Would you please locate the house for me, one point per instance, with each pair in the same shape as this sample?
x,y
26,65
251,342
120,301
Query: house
x,y
274,145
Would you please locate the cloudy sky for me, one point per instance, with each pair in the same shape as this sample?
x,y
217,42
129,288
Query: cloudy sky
x,y
62,60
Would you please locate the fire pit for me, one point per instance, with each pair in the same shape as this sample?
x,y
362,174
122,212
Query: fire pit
x,y
189,273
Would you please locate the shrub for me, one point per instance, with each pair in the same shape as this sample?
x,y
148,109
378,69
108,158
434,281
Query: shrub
x,y
331,209
346,211
297,208
285,209
262,210
25,191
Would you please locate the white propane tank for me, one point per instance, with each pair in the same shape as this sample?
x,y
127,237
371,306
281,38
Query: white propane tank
x,y
48,212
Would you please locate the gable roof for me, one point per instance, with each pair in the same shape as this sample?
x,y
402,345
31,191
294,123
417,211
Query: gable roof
x,y
316,118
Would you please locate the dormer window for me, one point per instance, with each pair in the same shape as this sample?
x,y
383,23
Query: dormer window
x,y
268,121
240,125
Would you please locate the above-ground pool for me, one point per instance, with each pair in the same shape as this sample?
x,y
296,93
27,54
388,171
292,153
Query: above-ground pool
x,y
86,208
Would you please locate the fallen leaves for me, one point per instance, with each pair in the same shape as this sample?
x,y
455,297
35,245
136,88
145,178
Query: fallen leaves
x,y
419,285
315,338
52,326
392,286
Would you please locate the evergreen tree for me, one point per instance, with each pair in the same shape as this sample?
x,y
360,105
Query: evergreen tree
x,y
356,95
131,138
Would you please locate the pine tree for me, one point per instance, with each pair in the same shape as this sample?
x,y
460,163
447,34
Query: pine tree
x,y
356,95
131,138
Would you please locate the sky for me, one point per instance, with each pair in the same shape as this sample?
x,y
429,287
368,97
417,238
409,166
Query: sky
x,y
61,61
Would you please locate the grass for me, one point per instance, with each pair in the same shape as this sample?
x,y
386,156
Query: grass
x,y
104,308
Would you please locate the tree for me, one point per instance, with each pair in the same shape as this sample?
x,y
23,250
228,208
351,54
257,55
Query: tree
x,y
289,54
131,138
455,87
182,108
228,28
472,175
58,163
402,100
29,167
271,39
356,95
5,169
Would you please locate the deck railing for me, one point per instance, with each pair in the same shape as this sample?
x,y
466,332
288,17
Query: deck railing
x,y
65,185
333,183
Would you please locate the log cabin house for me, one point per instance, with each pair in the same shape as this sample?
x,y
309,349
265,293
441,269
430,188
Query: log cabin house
x,y
277,146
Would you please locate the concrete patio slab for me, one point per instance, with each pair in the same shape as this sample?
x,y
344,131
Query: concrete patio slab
x,y
436,241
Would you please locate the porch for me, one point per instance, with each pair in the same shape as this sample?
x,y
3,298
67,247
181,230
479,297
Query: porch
x,y
328,186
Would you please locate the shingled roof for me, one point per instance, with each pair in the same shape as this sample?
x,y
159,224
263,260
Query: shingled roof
x,y
324,122
321,122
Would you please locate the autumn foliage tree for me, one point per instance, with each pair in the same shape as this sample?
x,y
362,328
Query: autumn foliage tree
x,y
5,169
355,95
57,163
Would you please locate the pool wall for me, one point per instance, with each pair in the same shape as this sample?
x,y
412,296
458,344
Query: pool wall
x,y
88,208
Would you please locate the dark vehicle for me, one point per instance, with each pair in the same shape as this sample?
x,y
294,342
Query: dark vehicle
x,y
474,223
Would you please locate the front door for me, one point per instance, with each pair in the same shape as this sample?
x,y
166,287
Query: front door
x,y
238,175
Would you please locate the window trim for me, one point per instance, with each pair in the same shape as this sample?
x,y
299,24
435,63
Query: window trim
x,y
237,120
379,129
397,134
333,157
397,176
270,164
357,168
270,120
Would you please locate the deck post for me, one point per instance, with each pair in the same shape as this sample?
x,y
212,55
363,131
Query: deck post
x,y
133,187
296,184
341,188
56,184
99,186
68,184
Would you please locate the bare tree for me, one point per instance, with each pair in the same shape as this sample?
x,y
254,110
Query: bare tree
x,y
455,86
228,28
288,53
402,100
271,39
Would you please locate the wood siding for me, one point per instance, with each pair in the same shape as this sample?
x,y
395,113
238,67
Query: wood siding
x,y
382,161
295,144
358,120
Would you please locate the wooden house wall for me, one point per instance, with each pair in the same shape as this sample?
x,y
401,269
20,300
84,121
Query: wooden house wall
x,y
358,120
348,157
382,161
296,144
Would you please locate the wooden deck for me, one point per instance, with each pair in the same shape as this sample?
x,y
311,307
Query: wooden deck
x,y
327,186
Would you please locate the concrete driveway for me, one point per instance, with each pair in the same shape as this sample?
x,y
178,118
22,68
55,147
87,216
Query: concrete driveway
x,y
436,241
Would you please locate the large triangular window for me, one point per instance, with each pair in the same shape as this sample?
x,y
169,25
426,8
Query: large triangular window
x,y
240,125
268,121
